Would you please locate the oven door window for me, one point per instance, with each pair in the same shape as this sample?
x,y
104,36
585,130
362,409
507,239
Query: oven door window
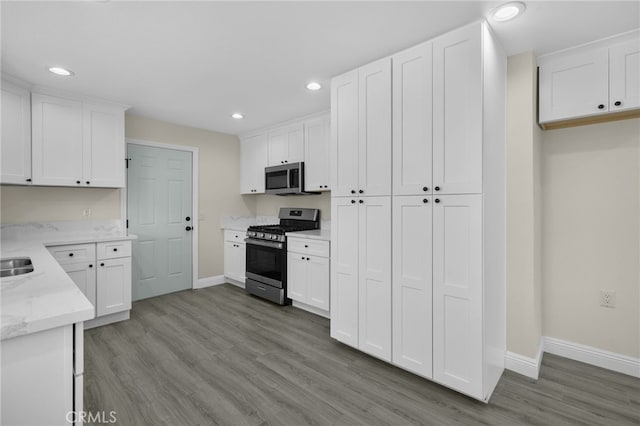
x,y
266,262
277,180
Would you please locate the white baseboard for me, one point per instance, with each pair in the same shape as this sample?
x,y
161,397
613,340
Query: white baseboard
x,y
209,281
594,356
525,365
312,309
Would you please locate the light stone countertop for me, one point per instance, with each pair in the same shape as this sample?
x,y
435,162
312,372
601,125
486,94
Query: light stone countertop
x,y
315,234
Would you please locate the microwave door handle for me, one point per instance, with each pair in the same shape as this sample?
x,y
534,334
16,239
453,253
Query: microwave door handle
x,y
289,178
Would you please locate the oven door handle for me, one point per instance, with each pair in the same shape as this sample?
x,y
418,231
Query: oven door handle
x,y
263,243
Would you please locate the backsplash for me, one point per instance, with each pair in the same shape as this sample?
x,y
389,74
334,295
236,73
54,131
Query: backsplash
x,y
43,231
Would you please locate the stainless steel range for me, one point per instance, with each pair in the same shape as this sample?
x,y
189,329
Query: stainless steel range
x,y
267,253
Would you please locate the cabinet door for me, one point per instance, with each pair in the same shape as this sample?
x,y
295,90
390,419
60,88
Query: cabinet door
x,y
574,86
412,121
57,147
344,135
84,276
234,260
297,277
457,293
374,135
285,145
104,149
457,112
318,282
114,286
374,276
412,289
241,261
624,76
16,135
316,154
253,160
344,270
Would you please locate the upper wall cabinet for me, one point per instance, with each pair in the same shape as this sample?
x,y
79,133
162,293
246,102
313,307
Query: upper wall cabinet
x,y
285,145
253,160
316,153
77,143
590,83
16,135
361,131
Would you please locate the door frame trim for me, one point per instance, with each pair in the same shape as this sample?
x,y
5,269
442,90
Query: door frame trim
x,y
194,196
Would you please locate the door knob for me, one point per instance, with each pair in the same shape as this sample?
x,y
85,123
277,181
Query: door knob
x,y
187,219
188,228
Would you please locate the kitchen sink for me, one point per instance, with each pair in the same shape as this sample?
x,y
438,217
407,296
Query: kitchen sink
x,y
15,266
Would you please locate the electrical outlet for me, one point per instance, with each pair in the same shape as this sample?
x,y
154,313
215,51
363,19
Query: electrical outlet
x,y
86,213
608,298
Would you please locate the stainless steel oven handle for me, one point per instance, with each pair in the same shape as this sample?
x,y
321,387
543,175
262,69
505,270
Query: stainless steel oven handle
x,y
263,243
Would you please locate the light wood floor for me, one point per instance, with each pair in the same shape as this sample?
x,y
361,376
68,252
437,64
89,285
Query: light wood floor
x,y
219,356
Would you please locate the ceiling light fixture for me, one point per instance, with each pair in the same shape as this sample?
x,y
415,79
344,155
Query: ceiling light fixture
x,y
314,85
61,71
508,11
237,116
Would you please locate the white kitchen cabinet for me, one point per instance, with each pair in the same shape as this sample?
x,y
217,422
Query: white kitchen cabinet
x,y
458,292
285,145
361,131
84,276
590,81
316,153
77,143
308,272
458,112
113,286
361,274
235,260
41,374
253,160
15,147
412,121
412,284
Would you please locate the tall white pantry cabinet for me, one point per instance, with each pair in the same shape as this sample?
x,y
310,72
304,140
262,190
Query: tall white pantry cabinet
x,y
418,265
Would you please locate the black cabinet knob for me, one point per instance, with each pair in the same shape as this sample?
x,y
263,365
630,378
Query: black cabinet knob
x,y
361,191
361,201
188,228
302,258
28,180
90,266
88,182
353,191
353,201
617,103
102,264
115,249
306,246
78,182
601,106
425,201
437,188
437,200
70,254
425,189
188,219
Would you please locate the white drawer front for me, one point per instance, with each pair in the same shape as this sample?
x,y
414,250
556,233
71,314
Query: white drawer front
x,y
113,249
235,236
76,253
306,246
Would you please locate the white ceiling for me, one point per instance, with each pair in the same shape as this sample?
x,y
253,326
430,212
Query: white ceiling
x,y
194,63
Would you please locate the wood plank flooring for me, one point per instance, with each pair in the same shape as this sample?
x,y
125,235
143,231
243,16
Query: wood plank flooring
x,y
217,356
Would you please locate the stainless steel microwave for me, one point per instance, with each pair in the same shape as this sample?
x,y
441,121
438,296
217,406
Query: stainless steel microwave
x,y
287,179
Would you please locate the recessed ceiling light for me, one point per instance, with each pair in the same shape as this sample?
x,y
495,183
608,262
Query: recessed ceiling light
x,y
237,115
61,71
508,11
314,85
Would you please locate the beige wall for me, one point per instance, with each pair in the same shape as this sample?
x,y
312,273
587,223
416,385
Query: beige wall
x,y
21,204
219,169
268,205
591,234
524,321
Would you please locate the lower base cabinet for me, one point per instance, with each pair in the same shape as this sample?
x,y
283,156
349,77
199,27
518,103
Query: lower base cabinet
x,y
234,256
42,377
308,272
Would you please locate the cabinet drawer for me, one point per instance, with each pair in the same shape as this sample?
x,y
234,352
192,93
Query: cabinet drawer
x,y
113,249
236,236
306,246
77,253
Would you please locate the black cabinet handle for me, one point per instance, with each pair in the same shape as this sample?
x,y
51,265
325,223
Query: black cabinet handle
x,y
617,103
361,191
188,228
353,191
437,200
286,161
302,257
425,189
70,254
353,201
78,182
90,266
115,249
102,264
28,180
187,219
88,182
425,201
361,201
601,106
306,246
437,188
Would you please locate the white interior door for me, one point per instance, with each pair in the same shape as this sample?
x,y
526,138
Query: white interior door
x,y
159,213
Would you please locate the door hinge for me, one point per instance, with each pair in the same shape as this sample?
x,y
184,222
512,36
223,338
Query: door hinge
x,y
127,223
127,161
